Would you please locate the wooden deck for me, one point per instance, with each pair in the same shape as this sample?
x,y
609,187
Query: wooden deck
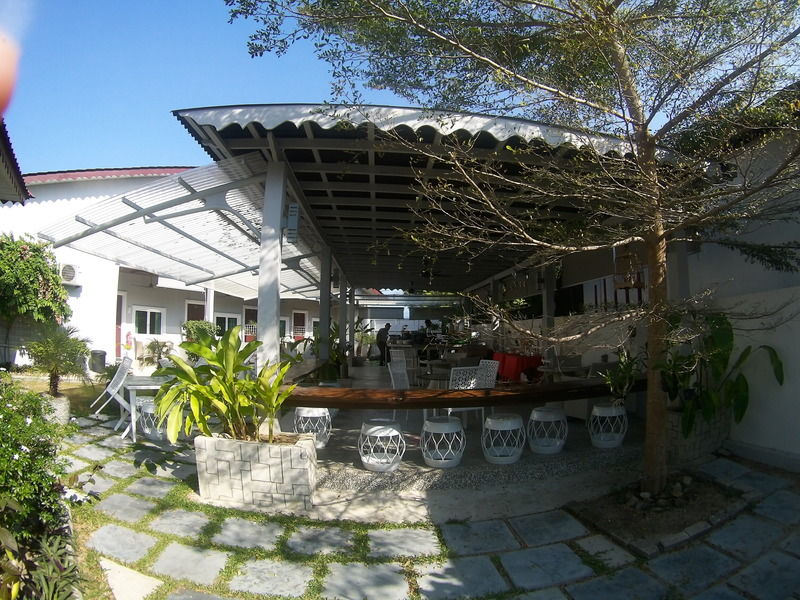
x,y
503,395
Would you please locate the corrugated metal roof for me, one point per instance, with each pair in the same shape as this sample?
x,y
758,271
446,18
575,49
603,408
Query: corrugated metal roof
x,y
12,186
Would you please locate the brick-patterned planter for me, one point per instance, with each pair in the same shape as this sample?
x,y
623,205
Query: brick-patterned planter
x,y
237,473
706,437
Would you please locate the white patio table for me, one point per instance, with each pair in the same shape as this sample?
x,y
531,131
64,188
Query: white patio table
x,y
134,384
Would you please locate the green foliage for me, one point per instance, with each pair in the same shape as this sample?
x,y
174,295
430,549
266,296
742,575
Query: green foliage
x,y
194,330
30,284
59,352
706,376
621,376
29,467
156,350
223,388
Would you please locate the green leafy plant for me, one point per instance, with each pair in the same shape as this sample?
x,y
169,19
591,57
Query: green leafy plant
x,y
30,284
30,469
194,330
706,376
621,376
59,352
363,335
223,388
155,351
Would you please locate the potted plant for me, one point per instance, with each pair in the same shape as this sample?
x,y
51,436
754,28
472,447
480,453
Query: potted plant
x,y
703,376
59,352
608,423
364,338
246,408
194,330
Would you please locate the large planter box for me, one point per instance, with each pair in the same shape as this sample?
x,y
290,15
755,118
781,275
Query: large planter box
x,y
706,437
273,476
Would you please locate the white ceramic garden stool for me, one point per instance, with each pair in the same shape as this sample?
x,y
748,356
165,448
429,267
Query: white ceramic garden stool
x,y
442,441
607,425
381,445
547,430
313,420
148,421
503,438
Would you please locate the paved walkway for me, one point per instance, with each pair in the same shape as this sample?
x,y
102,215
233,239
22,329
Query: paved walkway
x,y
155,541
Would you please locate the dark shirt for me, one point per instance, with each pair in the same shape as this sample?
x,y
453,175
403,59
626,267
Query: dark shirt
x,y
382,336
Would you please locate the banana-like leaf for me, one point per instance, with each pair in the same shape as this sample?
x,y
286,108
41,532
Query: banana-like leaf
x,y
775,361
174,424
738,392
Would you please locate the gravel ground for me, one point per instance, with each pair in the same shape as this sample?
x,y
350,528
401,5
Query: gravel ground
x,y
339,466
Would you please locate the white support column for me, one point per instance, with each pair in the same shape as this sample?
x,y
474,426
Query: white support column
x,y
343,323
549,309
209,304
351,321
325,303
269,269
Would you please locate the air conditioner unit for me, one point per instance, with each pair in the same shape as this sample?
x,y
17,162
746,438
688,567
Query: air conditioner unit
x,y
70,274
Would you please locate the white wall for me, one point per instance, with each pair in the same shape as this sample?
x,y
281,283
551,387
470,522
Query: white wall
x,y
770,429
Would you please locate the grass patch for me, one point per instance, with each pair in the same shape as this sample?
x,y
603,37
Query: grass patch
x,y
80,394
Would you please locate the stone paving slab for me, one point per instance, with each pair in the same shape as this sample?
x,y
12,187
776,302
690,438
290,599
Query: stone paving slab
x,y
694,569
115,442
151,487
101,430
746,536
126,583
85,421
764,483
93,452
719,592
402,542
355,581
97,485
774,575
469,577
723,469
272,577
78,439
175,469
320,540
192,595
244,533
121,543
479,537
141,456
74,463
120,469
180,522
782,506
125,508
544,566
548,594
630,583
196,565
792,543
547,527
605,550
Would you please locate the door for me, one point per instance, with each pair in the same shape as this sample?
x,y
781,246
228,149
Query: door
x,y
225,321
118,333
299,325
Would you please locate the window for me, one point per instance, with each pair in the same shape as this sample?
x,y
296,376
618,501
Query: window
x,y
148,321
225,321
195,311
284,327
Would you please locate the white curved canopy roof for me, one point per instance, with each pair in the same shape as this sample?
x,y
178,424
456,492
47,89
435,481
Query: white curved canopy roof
x,y
354,173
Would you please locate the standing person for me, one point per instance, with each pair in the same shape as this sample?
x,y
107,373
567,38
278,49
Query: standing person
x,y
382,338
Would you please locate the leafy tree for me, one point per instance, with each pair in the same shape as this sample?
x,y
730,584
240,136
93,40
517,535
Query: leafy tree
x,y
694,92
59,352
30,285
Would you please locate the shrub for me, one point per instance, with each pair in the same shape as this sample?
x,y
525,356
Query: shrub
x,y
195,330
59,352
29,466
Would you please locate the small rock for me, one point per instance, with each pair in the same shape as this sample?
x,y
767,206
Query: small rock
x,y
677,490
662,502
687,480
645,496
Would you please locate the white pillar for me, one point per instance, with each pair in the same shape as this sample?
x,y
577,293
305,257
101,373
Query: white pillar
x,y
209,304
343,322
351,321
269,267
325,303
549,309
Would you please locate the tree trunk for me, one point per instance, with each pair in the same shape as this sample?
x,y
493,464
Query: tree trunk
x,y
655,443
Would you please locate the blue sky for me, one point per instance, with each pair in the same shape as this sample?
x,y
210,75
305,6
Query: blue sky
x,y
98,79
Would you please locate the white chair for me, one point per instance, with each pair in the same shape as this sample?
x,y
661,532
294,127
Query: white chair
x,y
165,363
465,378
112,389
487,373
